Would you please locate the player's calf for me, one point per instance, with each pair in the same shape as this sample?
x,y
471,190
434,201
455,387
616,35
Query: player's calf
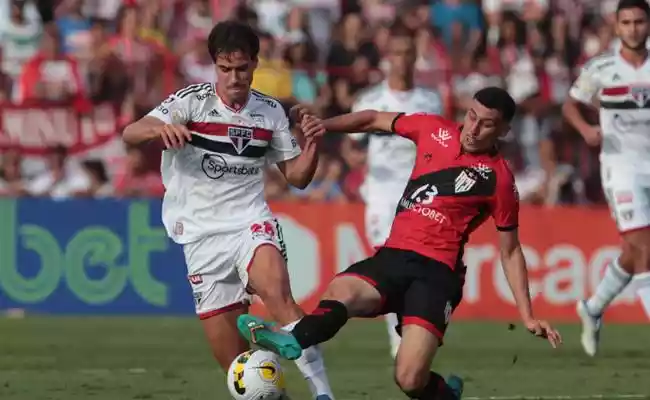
x,y
269,279
639,240
222,334
412,375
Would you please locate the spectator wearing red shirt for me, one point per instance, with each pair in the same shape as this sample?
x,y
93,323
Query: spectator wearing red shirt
x,y
50,75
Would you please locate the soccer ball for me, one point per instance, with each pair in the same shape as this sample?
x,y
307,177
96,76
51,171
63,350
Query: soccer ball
x,y
256,375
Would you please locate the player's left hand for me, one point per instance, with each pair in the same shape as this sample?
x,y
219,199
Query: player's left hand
x,y
298,112
312,127
543,329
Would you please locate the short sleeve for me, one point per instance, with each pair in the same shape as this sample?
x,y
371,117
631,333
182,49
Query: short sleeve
x,y
410,125
505,207
175,109
586,85
283,146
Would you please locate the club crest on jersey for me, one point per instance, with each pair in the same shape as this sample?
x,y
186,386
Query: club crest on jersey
x,y
640,94
240,137
464,181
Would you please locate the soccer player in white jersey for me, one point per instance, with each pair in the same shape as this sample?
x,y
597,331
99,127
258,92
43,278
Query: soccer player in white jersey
x,y
218,139
620,83
390,157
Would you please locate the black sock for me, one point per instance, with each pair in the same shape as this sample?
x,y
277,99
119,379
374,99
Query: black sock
x,y
322,324
436,389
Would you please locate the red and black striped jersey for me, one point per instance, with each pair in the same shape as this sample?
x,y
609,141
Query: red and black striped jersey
x,y
450,192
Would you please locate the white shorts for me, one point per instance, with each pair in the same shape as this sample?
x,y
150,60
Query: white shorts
x,y
378,222
217,266
627,189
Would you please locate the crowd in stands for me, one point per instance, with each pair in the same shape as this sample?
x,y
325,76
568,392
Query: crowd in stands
x,y
130,54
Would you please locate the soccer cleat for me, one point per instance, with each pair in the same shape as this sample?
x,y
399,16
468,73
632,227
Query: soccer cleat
x,y
456,385
264,334
323,397
590,329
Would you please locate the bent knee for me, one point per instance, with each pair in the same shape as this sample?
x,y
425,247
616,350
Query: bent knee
x,y
360,298
411,380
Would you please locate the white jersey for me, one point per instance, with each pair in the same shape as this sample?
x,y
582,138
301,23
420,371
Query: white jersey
x,y
391,157
623,92
214,184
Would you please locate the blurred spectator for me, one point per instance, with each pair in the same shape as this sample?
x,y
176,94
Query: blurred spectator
x,y
74,30
133,53
350,44
11,179
272,76
62,179
464,17
50,75
325,185
20,38
196,64
300,56
137,180
99,184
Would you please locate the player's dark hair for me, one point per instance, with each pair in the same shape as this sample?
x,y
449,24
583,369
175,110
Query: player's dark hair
x,y
627,4
231,36
496,98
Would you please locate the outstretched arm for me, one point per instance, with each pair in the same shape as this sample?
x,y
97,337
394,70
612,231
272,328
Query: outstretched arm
x,y
362,121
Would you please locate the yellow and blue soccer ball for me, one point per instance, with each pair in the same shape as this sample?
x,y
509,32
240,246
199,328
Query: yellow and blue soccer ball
x,y
256,375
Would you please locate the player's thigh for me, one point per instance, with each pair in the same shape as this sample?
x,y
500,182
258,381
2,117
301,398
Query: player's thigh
x,y
223,336
431,298
369,287
213,275
627,191
262,263
219,295
628,194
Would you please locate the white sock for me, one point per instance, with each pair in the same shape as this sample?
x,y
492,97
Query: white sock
x,y
613,283
643,290
312,367
395,339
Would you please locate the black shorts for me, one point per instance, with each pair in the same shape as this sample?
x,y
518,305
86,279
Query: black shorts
x,y
420,290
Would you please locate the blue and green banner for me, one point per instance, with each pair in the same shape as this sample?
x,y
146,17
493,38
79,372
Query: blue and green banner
x,y
89,256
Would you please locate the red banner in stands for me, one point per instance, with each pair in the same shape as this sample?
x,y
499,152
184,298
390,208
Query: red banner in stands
x,y
567,250
33,129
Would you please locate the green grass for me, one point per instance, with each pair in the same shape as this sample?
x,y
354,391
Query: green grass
x,y
167,358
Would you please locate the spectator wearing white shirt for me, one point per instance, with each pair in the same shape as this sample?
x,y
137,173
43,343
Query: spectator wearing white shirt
x,y
63,179
20,37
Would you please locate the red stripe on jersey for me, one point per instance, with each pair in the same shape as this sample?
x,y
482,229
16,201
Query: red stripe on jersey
x,y
616,90
221,129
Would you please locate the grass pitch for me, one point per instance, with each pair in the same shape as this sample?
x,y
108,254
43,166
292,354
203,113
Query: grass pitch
x,y
52,358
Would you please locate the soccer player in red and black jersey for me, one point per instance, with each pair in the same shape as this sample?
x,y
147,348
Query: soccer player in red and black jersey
x,y
459,180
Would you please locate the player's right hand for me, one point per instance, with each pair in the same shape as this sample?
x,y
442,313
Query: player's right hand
x,y
592,135
544,330
174,136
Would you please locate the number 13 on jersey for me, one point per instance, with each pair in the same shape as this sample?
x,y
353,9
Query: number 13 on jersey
x,y
425,194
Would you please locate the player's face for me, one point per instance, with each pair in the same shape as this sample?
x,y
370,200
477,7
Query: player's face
x,y
482,127
401,55
235,73
632,28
